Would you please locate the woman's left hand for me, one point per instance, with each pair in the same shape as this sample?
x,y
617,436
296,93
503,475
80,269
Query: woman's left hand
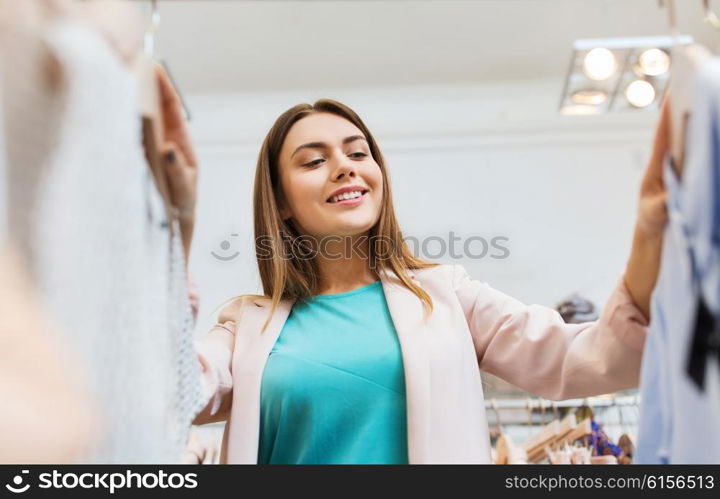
x,y
652,210
644,263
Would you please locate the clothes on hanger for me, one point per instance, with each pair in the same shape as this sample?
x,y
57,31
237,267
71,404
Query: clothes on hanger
x,y
601,444
47,414
48,385
88,215
678,417
507,452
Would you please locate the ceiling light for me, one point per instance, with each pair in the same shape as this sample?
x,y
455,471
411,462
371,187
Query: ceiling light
x,y
654,62
589,97
599,64
640,93
608,75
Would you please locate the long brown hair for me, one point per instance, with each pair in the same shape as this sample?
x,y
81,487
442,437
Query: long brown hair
x,y
297,278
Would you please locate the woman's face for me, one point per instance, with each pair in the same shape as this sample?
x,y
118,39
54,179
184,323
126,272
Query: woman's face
x,y
323,153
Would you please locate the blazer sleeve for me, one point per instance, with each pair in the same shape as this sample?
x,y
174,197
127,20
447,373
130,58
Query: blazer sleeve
x,y
532,347
214,353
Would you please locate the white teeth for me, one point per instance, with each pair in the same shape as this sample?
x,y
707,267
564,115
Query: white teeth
x,y
346,195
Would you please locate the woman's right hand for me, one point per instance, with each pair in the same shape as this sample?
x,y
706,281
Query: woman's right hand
x,y
179,158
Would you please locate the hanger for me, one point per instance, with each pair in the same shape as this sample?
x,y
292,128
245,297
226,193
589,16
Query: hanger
x,y
501,448
506,452
493,404
621,419
535,445
582,429
556,435
530,419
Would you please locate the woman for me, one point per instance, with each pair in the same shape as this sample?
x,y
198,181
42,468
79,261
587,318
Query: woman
x,y
361,353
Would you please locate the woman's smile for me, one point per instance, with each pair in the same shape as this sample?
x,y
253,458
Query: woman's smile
x,y
354,200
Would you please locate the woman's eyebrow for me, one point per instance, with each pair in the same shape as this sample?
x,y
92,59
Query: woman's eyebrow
x,y
323,145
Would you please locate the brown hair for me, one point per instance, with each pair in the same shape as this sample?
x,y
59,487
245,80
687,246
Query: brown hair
x,y
297,278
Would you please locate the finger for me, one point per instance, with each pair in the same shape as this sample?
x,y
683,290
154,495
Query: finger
x,y
661,142
174,122
660,148
174,158
181,178
169,97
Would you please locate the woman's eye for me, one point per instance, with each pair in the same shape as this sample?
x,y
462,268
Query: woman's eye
x,y
314,162
358,155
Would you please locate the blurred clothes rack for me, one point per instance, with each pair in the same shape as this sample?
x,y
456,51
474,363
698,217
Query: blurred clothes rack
x,y
93,227
557,440
537,403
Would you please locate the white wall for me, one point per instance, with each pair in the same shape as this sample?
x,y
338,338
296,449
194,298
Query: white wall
x,y
487,160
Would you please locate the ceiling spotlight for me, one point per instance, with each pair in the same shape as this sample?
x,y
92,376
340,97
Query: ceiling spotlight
x,y
654,62
599,64
609,75
640,93
589,97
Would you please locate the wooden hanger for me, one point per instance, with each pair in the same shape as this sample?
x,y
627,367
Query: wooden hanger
x,y
551,435
506,452
582,429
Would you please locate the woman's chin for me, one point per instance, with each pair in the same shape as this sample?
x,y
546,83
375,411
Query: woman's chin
x,y
350,230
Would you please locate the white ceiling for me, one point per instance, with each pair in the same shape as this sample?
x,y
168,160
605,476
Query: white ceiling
x,y
220,46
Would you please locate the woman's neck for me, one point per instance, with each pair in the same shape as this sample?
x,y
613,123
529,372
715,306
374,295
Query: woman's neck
x,y
344,266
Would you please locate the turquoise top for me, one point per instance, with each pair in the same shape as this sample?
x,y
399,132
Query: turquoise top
x,y
333,388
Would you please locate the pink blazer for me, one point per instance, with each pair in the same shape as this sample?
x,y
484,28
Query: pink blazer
x,y
473,327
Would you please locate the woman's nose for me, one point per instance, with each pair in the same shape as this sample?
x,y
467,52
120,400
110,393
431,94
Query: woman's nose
x,y
344,168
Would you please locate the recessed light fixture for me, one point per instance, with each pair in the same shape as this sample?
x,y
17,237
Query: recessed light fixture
x,y
654,62
640,93
589,97
618,74
599,64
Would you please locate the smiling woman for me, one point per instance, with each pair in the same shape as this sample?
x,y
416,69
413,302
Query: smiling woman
x,y
373,355
312,154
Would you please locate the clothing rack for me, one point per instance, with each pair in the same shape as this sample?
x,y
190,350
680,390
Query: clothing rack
x,y
539,403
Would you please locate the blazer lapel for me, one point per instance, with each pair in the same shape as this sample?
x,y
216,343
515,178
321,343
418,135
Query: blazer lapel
x,y
250,355
406,311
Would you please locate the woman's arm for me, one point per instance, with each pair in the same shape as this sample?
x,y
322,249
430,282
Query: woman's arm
x,y
214,353
531,347
644,262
